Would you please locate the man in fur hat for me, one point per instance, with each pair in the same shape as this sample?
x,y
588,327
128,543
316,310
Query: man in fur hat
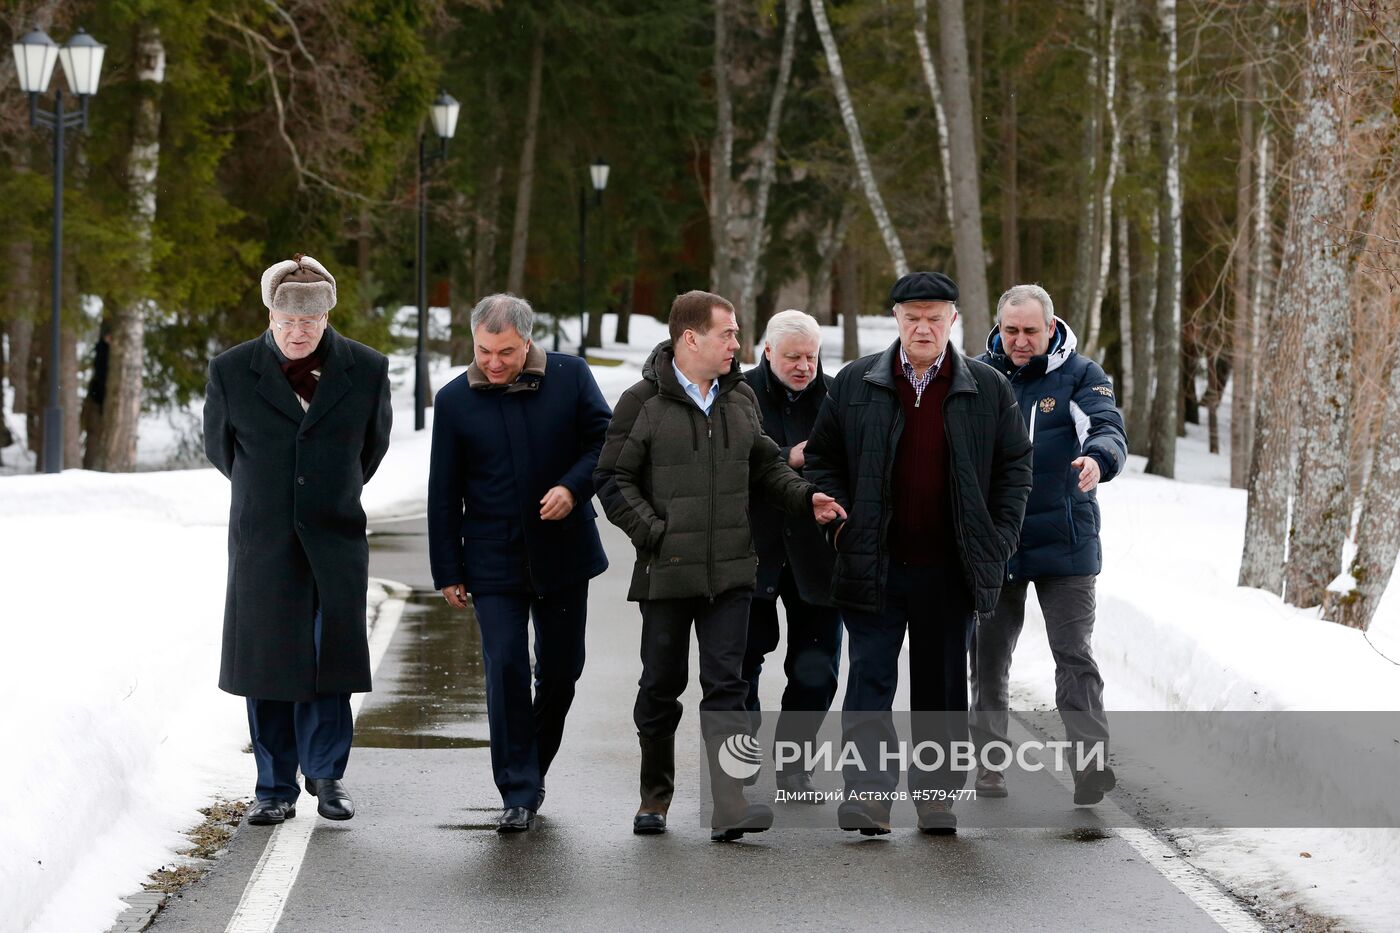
x,y
298,419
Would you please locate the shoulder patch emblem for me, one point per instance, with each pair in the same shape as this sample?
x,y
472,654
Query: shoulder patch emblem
x,y
1104,390
1047,404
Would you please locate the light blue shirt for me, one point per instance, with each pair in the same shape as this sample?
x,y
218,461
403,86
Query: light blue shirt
x,y
693,390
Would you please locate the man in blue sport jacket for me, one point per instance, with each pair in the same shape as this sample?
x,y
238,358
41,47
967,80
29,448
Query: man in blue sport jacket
x,y
1077,434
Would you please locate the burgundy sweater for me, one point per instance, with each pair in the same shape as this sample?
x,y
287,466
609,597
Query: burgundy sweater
x,y
921,528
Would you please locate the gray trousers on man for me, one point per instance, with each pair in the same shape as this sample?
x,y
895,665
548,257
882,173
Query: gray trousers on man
x,y
1068,606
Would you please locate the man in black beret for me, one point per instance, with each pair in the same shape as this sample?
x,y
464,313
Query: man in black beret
x,y
928,454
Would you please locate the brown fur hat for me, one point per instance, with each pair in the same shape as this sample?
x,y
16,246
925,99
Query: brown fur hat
x,y
300,286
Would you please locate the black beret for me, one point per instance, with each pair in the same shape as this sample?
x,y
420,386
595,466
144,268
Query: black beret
x,y
923,286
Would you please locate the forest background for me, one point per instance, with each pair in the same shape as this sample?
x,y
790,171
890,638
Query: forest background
x,y
1206,187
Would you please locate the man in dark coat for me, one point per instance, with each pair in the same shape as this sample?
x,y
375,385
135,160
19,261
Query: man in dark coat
x,y
794,560
1067,401
511,521
927,452
682,452
298,419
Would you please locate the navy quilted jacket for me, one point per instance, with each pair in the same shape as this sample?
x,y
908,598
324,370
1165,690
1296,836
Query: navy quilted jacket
x,y
1068,403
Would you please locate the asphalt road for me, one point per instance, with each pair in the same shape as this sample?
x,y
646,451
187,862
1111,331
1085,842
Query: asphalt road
x,y
422,853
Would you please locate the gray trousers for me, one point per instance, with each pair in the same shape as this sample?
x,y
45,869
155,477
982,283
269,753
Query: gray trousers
x,y
1068,606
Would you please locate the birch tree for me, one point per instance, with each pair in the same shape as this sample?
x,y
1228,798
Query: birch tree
x,y
1242,342
1321,292
767,168
721,159
967,198
862,159
121,412
936,95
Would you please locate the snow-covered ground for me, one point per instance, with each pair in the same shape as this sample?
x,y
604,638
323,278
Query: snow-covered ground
x,y
113,602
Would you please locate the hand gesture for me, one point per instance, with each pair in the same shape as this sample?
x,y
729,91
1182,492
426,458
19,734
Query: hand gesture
x,y
826,509
456,595
556,504
1089,474
797,456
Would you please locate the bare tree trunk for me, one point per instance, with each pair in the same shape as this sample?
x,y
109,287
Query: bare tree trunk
x,y
1271,461
1086,240
967,199
487,227
1115,156
21,326
525,184
862,159
1010,193
460,347
721,159
1217,371
624,311
828,246
1125,312
121,408
1144,359
939,114
364,238
68,391
850,301
1322,510
1242,338
1378,533
767,169
1161,457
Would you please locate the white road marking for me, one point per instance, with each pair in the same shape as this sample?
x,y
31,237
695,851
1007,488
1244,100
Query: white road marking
x,y
265,895
1185,877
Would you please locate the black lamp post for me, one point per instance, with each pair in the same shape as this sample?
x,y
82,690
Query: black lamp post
x,y
35,55
444,114
598,173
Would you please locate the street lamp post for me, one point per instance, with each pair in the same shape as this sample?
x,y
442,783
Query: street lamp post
x,y
598,174
444,115
35,56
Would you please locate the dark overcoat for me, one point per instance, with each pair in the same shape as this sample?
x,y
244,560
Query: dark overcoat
x,y
296,530
496,451
782,540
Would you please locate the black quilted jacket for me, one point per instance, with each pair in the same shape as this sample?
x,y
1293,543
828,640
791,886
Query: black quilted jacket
x,y
850,455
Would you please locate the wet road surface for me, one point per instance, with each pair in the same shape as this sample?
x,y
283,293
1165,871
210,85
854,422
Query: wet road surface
x,y
422,854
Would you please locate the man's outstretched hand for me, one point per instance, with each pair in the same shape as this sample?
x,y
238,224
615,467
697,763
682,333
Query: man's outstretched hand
x,y
826,509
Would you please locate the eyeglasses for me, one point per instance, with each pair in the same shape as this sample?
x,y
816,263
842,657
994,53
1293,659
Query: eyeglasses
x,y
304,324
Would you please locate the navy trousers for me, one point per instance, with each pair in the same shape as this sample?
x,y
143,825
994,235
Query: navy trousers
x,y
525,731
813,661
314,736
935,607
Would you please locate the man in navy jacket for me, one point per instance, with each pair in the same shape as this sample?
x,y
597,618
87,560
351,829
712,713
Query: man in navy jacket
x,y
510,521
1077,435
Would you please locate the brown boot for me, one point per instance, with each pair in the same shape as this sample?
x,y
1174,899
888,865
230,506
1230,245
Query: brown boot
x,y
936,817
990,783
658,785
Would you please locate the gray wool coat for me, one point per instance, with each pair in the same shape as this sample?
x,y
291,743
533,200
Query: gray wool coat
x,y
296,531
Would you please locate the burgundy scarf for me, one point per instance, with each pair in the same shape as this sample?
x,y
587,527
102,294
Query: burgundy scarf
x,y
299,375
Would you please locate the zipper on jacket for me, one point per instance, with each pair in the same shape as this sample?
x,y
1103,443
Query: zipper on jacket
x,y
710,531
724,423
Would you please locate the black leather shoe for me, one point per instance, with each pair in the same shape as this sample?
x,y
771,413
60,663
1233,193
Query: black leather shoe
x,y
990,783
270,812
515,820
332,799
647,823
1090,786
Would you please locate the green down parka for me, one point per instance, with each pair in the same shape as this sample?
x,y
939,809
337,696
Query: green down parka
x,y
677,482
